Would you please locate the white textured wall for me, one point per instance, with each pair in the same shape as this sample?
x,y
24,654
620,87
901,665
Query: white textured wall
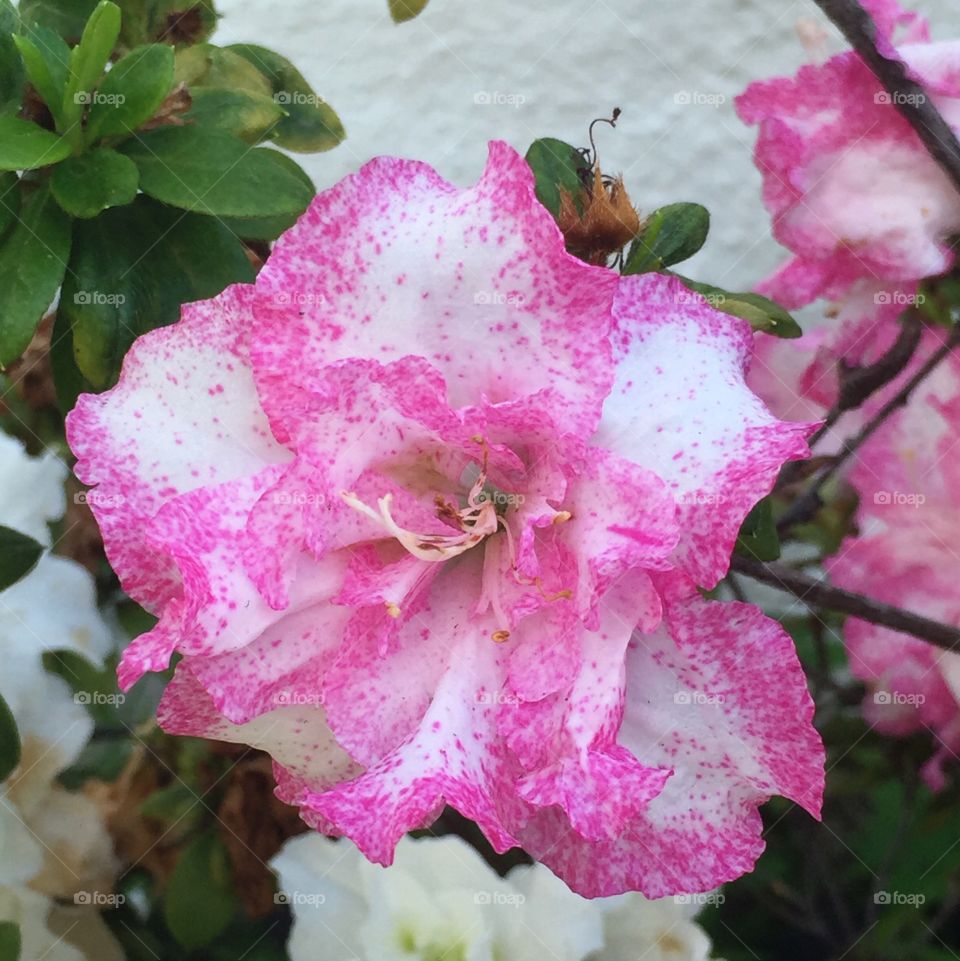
x,y
547,68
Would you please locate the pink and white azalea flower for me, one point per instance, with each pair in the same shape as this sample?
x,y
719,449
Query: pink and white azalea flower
x,y
906,555
425,511
852,191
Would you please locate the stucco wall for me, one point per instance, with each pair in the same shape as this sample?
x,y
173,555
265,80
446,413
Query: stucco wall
x,y
466,71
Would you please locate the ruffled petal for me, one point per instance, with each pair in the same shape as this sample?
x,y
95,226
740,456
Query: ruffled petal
x,y
680,407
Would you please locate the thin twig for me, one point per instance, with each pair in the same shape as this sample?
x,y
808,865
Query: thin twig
x,y
908,96
806,505
820,594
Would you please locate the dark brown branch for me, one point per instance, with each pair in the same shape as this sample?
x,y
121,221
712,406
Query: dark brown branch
x,y
820,594
906,94
806,505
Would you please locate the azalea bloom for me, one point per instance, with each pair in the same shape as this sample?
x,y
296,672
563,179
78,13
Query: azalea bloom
x,y
906,555
54,842
425,512
441,899
853,192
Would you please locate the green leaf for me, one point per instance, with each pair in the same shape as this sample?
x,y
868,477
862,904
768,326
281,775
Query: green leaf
x,y
213,173
311,125
9,200
249,116
65,17
101,760
171,804
202,876
207,65
671,234
18,556
758,536
9,741
89,58
68,382
760,312
33,259
27,146
47,61
556,167
269,228
403,10
12,76
133,268
86,185
132,92
9,941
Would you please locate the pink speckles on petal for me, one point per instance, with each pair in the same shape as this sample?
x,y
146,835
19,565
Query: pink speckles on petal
x,y
375,508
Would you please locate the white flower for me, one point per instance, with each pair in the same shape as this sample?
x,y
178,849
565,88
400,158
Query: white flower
x,y
53,843
441,900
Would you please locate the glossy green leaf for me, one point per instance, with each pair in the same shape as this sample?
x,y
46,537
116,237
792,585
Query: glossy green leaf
x,y
311,124
46,58
33,259
68,382
249,116
202,876
133,268
171,804
670,235
89,58
9,740
269,228
86,185
210,172
12,75
758,536
18,556
556,168
10,946
9,200
132,92
403,10
27,146
760,312
207,65
65,17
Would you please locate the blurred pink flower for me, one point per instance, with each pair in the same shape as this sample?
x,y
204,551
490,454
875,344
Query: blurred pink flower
x,y
906,554
425,512
852,190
